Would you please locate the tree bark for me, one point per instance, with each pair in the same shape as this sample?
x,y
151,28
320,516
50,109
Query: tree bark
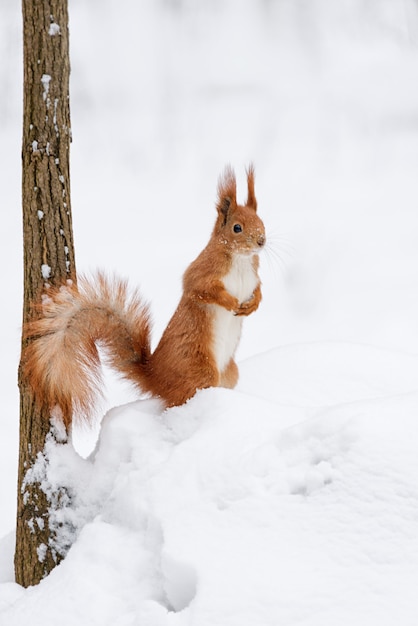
x,y
48,250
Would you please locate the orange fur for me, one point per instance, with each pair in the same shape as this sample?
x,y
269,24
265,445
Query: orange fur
x,y
196,350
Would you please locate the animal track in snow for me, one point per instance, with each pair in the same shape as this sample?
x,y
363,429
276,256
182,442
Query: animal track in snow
x,y
179,582
311,453
306,479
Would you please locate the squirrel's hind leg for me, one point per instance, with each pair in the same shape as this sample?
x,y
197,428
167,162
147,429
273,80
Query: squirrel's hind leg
x,y
229,377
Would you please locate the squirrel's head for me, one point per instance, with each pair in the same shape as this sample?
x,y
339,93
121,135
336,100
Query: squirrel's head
x,y
238,227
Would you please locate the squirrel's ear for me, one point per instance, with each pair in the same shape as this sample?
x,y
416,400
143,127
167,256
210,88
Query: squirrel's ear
x,y
251,199
227,192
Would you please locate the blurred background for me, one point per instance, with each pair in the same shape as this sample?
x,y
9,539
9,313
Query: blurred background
x,y
321,96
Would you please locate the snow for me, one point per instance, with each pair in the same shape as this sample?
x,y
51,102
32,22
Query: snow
x,y
240,509
45,271
45,80
54,29
293,498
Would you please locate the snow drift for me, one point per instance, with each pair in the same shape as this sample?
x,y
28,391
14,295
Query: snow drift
x,y
296,504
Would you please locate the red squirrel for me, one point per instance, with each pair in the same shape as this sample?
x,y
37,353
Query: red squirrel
x,y
61,361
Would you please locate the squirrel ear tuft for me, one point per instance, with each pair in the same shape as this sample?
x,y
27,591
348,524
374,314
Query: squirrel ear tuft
x,y
224,204
251,199
227,192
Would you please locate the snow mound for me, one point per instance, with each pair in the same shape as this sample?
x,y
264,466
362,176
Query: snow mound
x,y
240,509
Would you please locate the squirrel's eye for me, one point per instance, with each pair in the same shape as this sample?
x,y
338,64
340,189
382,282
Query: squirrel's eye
x,y
237,228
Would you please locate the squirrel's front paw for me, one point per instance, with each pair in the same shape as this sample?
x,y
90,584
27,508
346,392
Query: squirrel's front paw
x,y
247,307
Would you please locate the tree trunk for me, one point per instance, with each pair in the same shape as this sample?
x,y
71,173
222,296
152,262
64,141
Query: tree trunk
x,y
48,251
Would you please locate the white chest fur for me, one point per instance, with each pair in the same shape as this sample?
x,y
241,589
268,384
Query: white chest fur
x,y
240,282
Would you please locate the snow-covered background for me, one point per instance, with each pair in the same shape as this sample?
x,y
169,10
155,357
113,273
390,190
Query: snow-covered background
x,y
293,499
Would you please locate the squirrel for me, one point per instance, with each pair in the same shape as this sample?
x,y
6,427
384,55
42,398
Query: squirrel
x,y
61,361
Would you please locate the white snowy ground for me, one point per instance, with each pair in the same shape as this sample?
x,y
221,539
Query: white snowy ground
x,y
292,499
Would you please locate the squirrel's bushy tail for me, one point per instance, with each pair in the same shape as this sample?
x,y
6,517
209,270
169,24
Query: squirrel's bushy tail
x,y
61,361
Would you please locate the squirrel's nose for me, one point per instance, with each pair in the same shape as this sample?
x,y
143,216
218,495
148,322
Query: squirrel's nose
x,y
261,240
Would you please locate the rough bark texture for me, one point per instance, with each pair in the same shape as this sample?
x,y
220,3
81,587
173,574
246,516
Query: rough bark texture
x,y
48,247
